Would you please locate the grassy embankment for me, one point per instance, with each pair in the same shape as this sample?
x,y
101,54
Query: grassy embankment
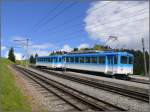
x,y
11,98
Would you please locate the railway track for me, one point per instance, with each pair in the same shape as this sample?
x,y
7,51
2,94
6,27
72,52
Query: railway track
x,y
77,99
125,92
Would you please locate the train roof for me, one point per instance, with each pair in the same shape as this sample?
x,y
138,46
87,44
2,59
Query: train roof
x,y
50,56
90,53
101,53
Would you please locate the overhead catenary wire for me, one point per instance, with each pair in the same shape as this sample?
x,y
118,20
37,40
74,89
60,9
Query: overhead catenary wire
x,y
45,17
79,16
108,23
94,25
81,30
74,18
55,16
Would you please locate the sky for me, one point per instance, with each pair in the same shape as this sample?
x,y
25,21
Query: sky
x,y
66,24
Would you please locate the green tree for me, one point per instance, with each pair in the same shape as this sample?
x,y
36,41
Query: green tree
x,y
11,55
36,55
75,49
31,59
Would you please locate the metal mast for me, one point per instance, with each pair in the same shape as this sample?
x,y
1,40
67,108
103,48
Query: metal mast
x,y
27,46
145,66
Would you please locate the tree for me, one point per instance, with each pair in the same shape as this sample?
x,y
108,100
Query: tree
x,y
31,59
36,55
75,49
11,55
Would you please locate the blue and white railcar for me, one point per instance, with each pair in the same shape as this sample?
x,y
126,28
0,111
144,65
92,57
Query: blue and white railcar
x,y
106,62
112,63
54,61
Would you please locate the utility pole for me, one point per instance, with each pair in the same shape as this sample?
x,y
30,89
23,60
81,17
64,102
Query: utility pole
x,y
27,46
145,66
27,60
0,47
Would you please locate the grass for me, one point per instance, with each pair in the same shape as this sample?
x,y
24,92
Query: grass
x,y
11,98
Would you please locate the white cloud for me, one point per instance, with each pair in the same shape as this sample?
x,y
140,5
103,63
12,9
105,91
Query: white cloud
x,y
18,56
128,20
3,48
83,45
66,48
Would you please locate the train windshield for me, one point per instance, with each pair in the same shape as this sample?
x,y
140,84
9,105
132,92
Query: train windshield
x,y
130,60
124,59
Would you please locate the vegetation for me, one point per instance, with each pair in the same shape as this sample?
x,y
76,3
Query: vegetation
x,y
33,58
11,98
11,55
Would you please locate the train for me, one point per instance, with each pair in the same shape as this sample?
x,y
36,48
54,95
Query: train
x,y
107,62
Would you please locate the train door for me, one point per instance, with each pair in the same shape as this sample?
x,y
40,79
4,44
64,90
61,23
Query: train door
x,y
110,64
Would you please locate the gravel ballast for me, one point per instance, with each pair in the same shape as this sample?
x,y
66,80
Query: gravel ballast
x,y
119,100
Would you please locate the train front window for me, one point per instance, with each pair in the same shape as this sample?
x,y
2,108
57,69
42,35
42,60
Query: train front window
x,y
130,60
124,59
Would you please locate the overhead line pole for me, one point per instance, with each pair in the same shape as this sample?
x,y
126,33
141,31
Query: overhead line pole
x,y
145,66
27,53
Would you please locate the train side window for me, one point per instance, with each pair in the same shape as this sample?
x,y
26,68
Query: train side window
x,y
59,59
56,59
115,59
87,59
49,60
124,59
130,60
81,59
101,59
94,59
72,59
67,59
76,59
